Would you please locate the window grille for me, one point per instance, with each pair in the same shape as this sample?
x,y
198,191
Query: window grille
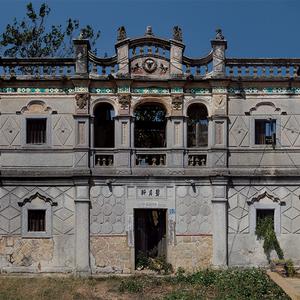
x,y
36,131
36,220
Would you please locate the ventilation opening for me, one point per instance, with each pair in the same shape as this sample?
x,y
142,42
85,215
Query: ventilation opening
x,y
149,233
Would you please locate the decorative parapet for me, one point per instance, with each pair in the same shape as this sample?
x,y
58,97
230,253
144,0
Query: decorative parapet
x,y
150,57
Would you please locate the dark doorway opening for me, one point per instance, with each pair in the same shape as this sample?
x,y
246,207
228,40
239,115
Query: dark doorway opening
x,y
150,233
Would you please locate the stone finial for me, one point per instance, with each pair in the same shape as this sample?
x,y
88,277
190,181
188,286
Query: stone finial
x,y
177,33
149,31
219,35
121,33
81,36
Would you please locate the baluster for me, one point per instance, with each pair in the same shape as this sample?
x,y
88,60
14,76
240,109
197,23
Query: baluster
x,y
103,70
271,71
112,69
206,69
190,160
110,161
94,69
287,71
139,160
188,70
197,70
161,160
61,70
54,71
279,71
141,50
104,161
164,51
254,71
231,71
263,71
197,161
97,161
68,70
133,51
203,162
153,161
239,71
150,50
295,71
247,71
12,72
156,50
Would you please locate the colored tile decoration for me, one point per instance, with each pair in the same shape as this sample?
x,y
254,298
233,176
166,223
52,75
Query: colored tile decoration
x,y
198,91
268,90
102,90
30,90
177,90
124,89
150,90
81,89
219,90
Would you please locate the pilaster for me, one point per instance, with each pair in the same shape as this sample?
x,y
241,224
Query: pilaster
x,y
219,202
82,231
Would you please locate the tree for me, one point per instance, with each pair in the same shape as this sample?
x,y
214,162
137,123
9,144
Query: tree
x,y
31,37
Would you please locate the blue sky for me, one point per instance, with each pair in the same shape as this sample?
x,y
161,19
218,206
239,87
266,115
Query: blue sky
x,y
253,28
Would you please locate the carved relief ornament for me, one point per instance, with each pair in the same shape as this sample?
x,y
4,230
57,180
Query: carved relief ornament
x,y
82,100
177,102
124,101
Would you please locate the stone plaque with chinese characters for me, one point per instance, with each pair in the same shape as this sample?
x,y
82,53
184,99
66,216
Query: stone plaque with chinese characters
x,y
151,193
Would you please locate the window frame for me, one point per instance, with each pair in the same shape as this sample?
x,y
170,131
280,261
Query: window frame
x,y
261,206
47,143
48,219
272,123
277,119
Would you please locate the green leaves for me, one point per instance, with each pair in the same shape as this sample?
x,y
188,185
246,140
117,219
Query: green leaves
x,y
32,37
265,231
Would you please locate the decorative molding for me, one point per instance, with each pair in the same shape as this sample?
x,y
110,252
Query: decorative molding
x,y
30,90
123,89
267,90
265,195
82,100
81,89
177,90
36,106
37,195
102,90
198,91
151,90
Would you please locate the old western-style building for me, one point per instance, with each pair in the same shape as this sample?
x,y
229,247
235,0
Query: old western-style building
x,y
148,151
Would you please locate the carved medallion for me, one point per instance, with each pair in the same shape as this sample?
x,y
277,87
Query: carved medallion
x,y
82,100
124,101
149,65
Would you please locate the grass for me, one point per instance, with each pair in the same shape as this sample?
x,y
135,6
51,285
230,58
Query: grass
x,y
206,284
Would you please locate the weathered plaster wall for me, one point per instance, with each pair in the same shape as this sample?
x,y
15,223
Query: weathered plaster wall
x,y
110,254
191,252
43,254
243,246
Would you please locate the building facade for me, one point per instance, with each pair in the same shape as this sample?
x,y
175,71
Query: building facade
x,y
148,151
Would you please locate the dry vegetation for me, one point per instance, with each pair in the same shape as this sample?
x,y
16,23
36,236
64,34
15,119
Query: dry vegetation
x,y
206,284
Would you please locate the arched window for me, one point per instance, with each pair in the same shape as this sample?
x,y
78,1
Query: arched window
x,y
104,126
150,126
197,126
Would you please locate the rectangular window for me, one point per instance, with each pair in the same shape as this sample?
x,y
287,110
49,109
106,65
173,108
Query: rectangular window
x,y
36,131
265,132
36,220
263,214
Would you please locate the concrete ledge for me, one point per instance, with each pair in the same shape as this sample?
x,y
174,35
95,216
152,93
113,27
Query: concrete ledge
x,y
285,285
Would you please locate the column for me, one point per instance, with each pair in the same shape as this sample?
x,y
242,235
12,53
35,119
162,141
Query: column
x,y
82,232
219,202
